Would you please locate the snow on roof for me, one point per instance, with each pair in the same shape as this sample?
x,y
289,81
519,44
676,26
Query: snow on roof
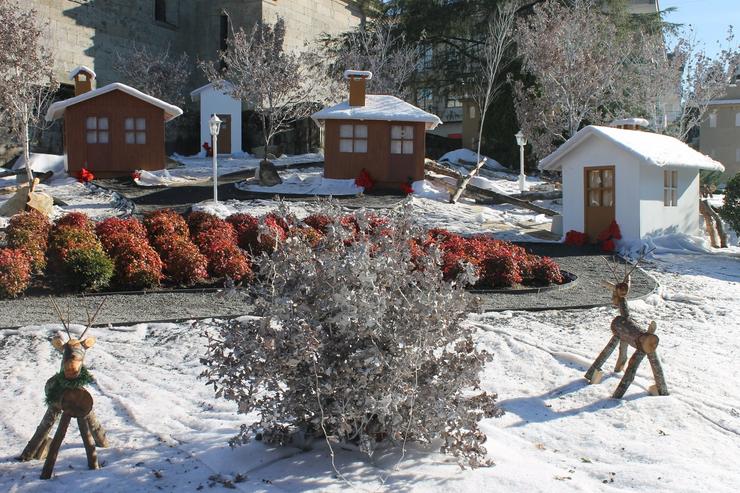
x,y
716,102
81,68
195,94
381,108
358,73
654,149
56,110
630,121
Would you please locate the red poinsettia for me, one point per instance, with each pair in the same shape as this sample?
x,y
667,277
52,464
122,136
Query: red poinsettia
x,y
207,147
612,232
608,246
407,188
364,180
576,238
136,175
85,175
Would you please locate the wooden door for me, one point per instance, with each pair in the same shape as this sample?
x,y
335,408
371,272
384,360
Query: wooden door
x,y
224,135
599,193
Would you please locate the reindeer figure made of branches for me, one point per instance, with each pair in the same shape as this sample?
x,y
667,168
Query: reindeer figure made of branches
x,y
66,396
625,333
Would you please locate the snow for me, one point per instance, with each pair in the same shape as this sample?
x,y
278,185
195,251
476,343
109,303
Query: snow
x,y
366,74
378,107
226,86
462,156
41,163
168,431
653,149
308,181
83,69
630,121
56,110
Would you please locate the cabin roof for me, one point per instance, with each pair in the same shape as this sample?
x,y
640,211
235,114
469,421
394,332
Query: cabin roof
x,y
651,148
195,94
380,108
56,110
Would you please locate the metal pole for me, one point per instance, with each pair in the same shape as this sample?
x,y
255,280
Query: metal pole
x,y
215,169
522,178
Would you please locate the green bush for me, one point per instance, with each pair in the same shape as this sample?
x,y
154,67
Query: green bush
x,y
730,211
88,269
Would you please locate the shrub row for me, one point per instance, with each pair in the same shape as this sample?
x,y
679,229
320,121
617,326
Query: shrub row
x,y
137,265
217,240
169,235
77,256
29,231
15,272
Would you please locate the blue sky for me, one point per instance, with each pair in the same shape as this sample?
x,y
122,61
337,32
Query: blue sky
x,y
709,18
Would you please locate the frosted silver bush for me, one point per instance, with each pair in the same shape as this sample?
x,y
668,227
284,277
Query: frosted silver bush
x,y
359,339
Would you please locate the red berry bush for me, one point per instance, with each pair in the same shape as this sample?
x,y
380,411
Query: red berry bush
x,y
137,265
184,263
77,220
15,272
217,240
29,231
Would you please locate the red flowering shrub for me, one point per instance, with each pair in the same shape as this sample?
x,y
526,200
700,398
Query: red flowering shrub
x,y
225,259
576,238
319,222
184,264
77,256
272,230
246,227
65,239
114,231
15,272
364,180
137,264
29,231
545,271
310,235
201,221
165,228
78,220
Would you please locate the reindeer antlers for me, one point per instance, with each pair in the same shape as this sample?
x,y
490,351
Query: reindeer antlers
x,y
65,322
627,273
91,320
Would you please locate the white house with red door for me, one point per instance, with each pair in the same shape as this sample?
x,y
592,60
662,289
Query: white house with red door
x,y
219,101
647,182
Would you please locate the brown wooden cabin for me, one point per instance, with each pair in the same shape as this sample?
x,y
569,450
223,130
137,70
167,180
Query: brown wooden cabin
x,y
113,130
381,134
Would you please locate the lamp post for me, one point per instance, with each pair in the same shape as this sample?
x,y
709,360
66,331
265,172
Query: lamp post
x,y
522,141
215,125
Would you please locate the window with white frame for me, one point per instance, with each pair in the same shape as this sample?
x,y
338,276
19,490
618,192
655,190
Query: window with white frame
x,y
670,188
713,119
353,138
453,101
737,154
97,130
135,130
402,139
737,119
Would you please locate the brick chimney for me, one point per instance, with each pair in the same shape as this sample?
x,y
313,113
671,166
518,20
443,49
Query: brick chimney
x,y
630,123
357,80
83,77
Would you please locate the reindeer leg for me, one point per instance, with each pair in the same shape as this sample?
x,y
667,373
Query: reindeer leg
x,y
51,459
38,444
629,374
97,430
622,358
661,387
601,358
87,440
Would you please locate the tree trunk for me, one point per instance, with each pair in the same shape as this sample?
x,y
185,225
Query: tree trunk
x,y
601,358
628,331
27,152
464,183
709,210
708,223
35,447
629,375
54,447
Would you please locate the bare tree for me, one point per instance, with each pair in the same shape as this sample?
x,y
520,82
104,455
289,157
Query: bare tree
x,y
577,57
381,48
281,87
27,82
157,73
488,83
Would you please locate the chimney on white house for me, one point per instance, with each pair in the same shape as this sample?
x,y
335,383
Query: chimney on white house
x,y
83,77
630,123
357,80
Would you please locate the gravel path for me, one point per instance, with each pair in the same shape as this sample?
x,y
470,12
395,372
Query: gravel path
x,y
127,309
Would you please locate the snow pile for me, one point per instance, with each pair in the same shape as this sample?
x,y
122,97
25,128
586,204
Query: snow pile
x,y
305,182
201,168
41,163
469,158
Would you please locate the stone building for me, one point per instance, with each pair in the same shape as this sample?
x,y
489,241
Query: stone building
x,y
719,135
92,32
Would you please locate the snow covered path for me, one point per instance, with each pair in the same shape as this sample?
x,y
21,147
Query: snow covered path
x,y
168,432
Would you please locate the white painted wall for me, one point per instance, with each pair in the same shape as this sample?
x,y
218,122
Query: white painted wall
x,y
655,218
596,152
214,101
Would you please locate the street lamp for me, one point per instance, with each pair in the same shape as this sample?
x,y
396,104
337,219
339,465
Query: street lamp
x,y
215,125
522,141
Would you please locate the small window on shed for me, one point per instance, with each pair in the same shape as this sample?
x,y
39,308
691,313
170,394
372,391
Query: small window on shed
x,y
135,129
737,119
402,139
353,138
670,188
713,120
96,128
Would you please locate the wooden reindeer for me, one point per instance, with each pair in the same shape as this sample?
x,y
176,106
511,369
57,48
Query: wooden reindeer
x,y
625,333
66,397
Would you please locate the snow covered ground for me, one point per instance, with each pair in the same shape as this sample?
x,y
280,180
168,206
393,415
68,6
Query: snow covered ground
x,y
309,181
168,432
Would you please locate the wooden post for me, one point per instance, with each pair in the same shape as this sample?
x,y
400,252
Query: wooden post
x,y
35,447
89,443
603,356
629,374
622,358
54,447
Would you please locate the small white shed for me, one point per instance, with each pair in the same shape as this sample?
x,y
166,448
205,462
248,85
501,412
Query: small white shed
x,y
647,182
228,109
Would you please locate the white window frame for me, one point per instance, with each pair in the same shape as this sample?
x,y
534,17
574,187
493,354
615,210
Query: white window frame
x,y
670,188
135,130
713,119
737,119
97,130
402,139
353,138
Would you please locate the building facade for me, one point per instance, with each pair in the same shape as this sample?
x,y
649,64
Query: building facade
x,y
719,135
